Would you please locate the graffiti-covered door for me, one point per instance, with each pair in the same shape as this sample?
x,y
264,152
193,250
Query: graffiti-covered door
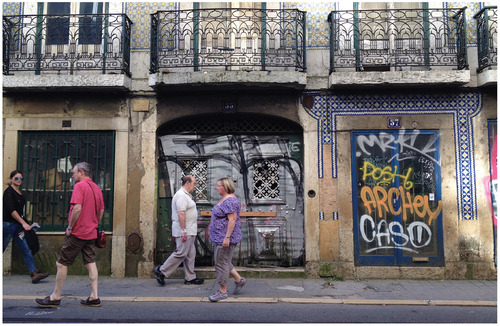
x,y
267,170
397,198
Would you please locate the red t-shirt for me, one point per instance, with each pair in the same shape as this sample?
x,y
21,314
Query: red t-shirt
x,y
92,202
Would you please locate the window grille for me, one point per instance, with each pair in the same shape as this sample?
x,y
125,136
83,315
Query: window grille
x,y
47,160
266,179
235,124
198,169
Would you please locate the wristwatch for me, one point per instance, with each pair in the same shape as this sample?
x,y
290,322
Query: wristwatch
x,y
228,237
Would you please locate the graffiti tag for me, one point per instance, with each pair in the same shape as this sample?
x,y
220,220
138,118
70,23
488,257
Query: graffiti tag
x,y
405,142
293,147
382,200
385,175
393,235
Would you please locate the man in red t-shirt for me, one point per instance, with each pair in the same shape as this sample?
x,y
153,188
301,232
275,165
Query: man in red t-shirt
x,y
87,208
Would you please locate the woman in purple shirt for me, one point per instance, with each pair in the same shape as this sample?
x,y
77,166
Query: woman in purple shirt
x,y
225,233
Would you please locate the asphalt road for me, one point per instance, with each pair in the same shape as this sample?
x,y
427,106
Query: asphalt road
x,y
26,311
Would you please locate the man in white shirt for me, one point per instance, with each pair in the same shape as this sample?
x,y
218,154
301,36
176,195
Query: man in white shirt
x,y
184,230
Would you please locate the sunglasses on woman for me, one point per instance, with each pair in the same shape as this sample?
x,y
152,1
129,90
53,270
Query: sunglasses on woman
x,y
19,178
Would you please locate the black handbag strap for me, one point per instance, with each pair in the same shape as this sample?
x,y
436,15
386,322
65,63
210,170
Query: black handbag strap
x,y
95,202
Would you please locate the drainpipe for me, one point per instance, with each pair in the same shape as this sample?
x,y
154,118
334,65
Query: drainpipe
x,y
427,61
263,29
356,36
105,37
38,46
196,23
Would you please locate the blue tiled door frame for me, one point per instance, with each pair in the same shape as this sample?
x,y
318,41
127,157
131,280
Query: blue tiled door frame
x,y
400,254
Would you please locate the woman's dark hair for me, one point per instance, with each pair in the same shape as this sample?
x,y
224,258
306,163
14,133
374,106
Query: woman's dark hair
x,y
13,173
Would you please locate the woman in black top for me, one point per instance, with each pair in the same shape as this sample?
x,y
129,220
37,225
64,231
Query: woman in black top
x,y
14,226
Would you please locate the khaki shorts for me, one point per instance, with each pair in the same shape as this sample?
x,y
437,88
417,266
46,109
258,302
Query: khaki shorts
x,y
72,246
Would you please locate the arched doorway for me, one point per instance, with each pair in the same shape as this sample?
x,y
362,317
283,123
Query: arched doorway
x,y
264,157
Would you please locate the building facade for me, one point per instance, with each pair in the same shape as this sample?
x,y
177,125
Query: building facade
x,y
361,137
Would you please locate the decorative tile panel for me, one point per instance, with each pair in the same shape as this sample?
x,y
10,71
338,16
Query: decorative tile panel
x,y
463,107
318,29
472,9
12,8
140,14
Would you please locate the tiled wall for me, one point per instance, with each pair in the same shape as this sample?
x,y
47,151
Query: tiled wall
x,y
12,8
140,14
463,107
473,8
318,34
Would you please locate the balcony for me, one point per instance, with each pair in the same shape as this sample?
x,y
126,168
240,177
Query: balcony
x,y
400,47
234,48
66,53
487,46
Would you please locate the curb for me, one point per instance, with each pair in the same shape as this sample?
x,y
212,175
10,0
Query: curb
x,y
387,302
467,303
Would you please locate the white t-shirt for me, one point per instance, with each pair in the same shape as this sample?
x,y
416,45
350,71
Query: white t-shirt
x,y
183,201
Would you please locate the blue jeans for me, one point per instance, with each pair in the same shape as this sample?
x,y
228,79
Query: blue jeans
x,y
17,231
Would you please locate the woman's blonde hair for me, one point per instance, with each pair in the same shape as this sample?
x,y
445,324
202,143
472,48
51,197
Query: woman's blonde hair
x,y
228,184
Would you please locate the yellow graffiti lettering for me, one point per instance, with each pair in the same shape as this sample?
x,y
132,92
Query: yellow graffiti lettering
x,y
381,201
385,175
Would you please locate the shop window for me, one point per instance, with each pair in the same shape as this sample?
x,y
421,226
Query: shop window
x,y
47,160
397,198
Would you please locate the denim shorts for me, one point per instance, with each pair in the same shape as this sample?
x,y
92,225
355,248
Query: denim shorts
x,y
72,246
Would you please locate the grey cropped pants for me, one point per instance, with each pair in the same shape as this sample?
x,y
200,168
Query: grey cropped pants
x,y
223,265
185,253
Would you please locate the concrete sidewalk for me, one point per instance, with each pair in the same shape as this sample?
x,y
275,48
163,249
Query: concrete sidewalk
x,y
262,290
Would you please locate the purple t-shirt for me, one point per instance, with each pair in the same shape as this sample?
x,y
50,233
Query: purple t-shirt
x,y
219,221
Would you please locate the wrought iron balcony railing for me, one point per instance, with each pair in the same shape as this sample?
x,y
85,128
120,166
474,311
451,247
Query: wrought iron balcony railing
x,y
66,43
486,37
230,39
378,40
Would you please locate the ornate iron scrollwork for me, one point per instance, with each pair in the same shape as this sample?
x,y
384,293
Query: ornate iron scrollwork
x,y
486,37
232,39
67,43
401,38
